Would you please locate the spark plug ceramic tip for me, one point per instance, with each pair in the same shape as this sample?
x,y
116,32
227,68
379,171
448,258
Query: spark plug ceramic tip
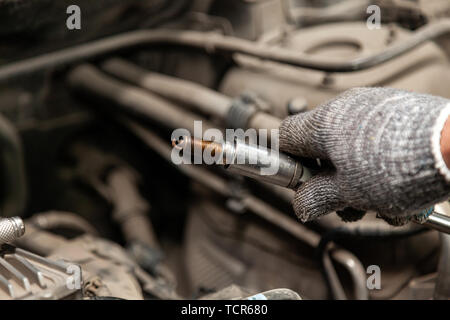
x,y
11,229
249,160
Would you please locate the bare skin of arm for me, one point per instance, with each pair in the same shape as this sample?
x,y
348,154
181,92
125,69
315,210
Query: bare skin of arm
x,y
445,143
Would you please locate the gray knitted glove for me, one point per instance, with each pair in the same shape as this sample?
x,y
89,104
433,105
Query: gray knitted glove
x,y
384,145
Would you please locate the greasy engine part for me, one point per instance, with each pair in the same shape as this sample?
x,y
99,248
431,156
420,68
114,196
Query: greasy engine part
x,y
348,10
434,285
409,14
207,101
232,112
211,250
119,185
40,28
417,70
442,282
132,100
211,267
13,194
130,209
224,249
413,14
213,42
59,219
442,287
25,275
105,267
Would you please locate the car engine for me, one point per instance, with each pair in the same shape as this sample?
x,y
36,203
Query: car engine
x,y
91,204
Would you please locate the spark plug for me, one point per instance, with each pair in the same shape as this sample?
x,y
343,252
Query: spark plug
x,y
11,229
247,159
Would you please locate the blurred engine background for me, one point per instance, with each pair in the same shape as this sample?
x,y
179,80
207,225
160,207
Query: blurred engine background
x,y
85,125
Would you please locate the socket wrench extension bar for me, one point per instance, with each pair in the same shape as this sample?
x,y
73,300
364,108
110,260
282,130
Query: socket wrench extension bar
x,y
256,162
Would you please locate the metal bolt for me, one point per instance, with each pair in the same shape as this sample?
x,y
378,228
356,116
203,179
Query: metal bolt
x,y
11,229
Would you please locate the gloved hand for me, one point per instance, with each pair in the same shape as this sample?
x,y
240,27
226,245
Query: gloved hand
x,y
384,146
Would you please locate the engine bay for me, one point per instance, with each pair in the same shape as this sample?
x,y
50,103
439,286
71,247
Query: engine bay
x,y
86,122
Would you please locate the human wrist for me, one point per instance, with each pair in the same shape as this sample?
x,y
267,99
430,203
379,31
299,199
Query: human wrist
x,y
445,142
440,141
